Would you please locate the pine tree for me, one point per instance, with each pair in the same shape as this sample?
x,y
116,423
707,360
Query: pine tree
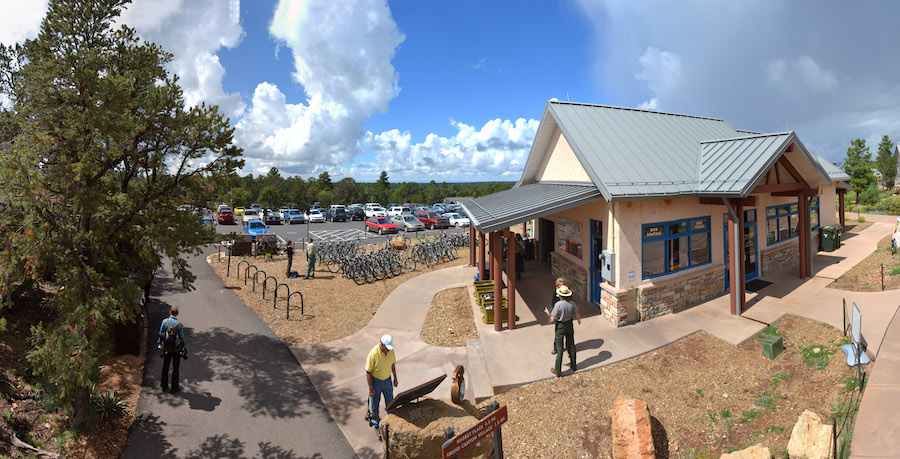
x,y
886,163
858,166
99,150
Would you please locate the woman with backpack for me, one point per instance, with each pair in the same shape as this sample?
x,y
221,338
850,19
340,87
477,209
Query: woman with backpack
x,y
171,342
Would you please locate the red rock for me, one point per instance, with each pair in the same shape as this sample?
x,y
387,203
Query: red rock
x,y
631,429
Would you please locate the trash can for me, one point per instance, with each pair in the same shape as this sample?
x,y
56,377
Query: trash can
x,y
828,238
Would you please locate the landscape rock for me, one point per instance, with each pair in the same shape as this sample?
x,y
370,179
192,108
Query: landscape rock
x,y
416,430
632,436
753,452
810,439
398,242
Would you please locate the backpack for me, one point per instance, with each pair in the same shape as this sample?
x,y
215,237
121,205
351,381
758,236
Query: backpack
x,y
170,337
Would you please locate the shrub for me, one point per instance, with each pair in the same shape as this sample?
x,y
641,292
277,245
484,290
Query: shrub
x,y
891,205
107,403
861,219
870,196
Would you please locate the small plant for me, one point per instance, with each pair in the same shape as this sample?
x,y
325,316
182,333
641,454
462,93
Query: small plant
x,y
8,415
725,414
774,429
817,356
699,392
107,403
778,379
766,401
747,416
861,219
766,332
43,418
62,438
895,271
712,416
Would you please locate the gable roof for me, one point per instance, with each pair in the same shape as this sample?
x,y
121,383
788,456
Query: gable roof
x,y
637,154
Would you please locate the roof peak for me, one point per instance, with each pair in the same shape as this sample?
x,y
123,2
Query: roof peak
x,y
752,136
563,102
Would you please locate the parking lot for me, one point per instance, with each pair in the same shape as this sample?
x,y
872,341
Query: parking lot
x,y
332,231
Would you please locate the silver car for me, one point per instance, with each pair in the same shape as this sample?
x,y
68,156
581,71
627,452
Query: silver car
x,y
407,222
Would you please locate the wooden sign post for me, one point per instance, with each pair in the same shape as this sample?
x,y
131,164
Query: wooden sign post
x,y
470,436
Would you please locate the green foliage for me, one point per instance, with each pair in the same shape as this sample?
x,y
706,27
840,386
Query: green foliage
x,y
270,197
861,219
95,125
725,413
858,165
890,205
817,356
61,438
699,392
712,416
107,403
748,416
775,429
766,332
324,181
885,161
871,196
767,400
894,271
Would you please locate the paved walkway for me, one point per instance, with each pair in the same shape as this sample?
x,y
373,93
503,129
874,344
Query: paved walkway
x,y
243,394
877,430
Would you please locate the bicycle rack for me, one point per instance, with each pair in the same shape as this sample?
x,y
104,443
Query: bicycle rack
x,y
255,276
275,299
247,273
265,282
288,308
239,267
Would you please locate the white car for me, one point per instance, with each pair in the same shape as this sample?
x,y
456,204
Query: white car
x,y
375,211
315,216
398,210
457,219
251,214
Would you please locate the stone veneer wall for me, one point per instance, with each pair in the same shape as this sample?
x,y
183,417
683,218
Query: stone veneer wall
x,y
680,293
784,256
612,304
575,275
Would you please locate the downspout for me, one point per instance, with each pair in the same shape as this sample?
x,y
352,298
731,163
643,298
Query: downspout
x,y
736,282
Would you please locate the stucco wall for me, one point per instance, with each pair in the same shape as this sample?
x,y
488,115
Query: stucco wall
x,y
597,210
560,163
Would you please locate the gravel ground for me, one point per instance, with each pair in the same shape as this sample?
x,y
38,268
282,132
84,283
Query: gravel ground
x,y
705,395
449,322
334,307
866,276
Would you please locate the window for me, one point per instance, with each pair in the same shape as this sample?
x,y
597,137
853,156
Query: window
x,y
673,246
783,221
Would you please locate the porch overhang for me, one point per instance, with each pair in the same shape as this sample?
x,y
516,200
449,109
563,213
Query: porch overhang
x,y
522,203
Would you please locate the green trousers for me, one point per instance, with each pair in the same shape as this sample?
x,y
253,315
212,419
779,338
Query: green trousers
x,y
565,330
311,267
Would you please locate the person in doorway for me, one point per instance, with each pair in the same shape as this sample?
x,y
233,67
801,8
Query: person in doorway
x,y
520,252
290,257
563,313
559,283
380,365
310,259
171,337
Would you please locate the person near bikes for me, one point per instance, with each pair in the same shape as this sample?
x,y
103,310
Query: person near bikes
x,y
380,364
290,257
310,259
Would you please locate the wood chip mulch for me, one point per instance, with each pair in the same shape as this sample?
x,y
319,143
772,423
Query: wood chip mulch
x,y
334,307
449,322
706,396
866,276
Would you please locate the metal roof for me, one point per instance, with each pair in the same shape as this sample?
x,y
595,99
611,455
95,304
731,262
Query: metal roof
x,y
837,174
522,203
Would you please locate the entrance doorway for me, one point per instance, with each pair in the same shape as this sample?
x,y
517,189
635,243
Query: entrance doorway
x,y
751,264
596,248
548,239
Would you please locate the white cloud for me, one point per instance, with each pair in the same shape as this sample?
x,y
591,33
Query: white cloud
x,y
480,64
661,70
498,149
800,75
342,56
20,19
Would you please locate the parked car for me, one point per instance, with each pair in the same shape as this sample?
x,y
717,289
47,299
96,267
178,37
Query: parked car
x,y
272,217
432,219
439,208
256,207
255,228
381,225
336,214
207,221
457,219
398,210
251,214
407,222
315,216
293,216
226,216
376,211
356,213
222,207
239,210
413,206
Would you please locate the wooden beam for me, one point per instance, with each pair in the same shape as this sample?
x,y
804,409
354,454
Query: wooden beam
x,y
749,201
777,173
497,275
808,192
792,170
778,187
511,275
768,173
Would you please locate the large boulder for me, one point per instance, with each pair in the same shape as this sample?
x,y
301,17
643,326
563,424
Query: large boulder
x,y
810,439
753,452
398,242
632,436
416,430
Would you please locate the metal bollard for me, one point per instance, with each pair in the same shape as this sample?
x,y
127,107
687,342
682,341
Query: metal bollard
x,y
288,308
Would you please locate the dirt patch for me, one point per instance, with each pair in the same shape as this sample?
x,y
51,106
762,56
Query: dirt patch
x,y
334,307
449,322
866,276
706,396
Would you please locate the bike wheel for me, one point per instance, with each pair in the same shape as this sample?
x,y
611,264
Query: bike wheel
x,y
396,268
409,264
334,266
370,276
429,261
378,272
359,277
454,253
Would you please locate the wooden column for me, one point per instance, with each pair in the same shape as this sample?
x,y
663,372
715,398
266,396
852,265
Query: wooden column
x,y
524,229
497,275
511,278
841,193
481,256
736,260
803,210
472,256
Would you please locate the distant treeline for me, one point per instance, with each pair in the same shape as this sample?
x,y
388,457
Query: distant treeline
x,y
272,190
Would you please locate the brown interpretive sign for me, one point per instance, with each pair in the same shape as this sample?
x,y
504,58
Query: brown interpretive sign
x,y
473,434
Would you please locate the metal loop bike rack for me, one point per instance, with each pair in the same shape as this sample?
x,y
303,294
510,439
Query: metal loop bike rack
x,y
238,273
247,272
288,308
255,276
265,282
275,299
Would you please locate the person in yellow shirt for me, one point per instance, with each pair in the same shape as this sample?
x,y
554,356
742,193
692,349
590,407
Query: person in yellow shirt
x,y
379,367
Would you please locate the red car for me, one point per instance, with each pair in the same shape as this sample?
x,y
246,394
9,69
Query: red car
x,y
432,219
226,217
382,225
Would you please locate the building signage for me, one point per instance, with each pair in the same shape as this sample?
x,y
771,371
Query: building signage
x,y
569,238
653,231
473,434
631,275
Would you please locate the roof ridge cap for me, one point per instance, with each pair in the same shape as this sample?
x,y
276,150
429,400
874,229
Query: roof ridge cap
x,y
632,109
744,137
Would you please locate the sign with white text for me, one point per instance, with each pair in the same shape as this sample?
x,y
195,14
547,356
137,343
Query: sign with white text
x,y
473,434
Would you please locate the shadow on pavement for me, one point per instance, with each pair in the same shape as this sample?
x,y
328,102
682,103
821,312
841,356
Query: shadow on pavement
x,y
147,431
346,401
223,446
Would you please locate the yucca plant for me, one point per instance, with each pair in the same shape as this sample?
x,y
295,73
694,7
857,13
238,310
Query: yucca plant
x,y
107,403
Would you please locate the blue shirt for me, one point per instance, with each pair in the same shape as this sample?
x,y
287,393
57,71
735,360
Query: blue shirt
x,y
164,327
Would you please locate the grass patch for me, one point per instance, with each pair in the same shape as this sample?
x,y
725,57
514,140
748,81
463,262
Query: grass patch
x,y
766,332
748,416
699,392
725,414
62,438
817,356
712,416
894,271
767,400
778,379
774,429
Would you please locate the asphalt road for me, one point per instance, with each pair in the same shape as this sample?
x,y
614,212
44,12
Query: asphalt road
x,y
243,393
331,231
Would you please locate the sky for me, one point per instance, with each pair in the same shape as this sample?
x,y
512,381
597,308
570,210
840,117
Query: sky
x,y
454,90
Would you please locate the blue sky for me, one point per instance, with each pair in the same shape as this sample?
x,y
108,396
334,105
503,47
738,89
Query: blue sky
x,y
454,90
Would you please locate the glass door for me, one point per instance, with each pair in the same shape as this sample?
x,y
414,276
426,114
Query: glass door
x,y
596,249
751,264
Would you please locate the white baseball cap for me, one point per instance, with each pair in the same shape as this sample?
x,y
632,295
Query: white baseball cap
x,y
388,342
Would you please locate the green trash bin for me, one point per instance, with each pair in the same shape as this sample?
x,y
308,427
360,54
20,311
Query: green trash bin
x,y
828,238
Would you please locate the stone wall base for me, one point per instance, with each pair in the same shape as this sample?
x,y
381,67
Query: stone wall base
x,y
784,256
680,293
575,276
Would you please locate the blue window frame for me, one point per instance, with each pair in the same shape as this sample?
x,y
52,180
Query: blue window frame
x,y
814,221
668,247
783,221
